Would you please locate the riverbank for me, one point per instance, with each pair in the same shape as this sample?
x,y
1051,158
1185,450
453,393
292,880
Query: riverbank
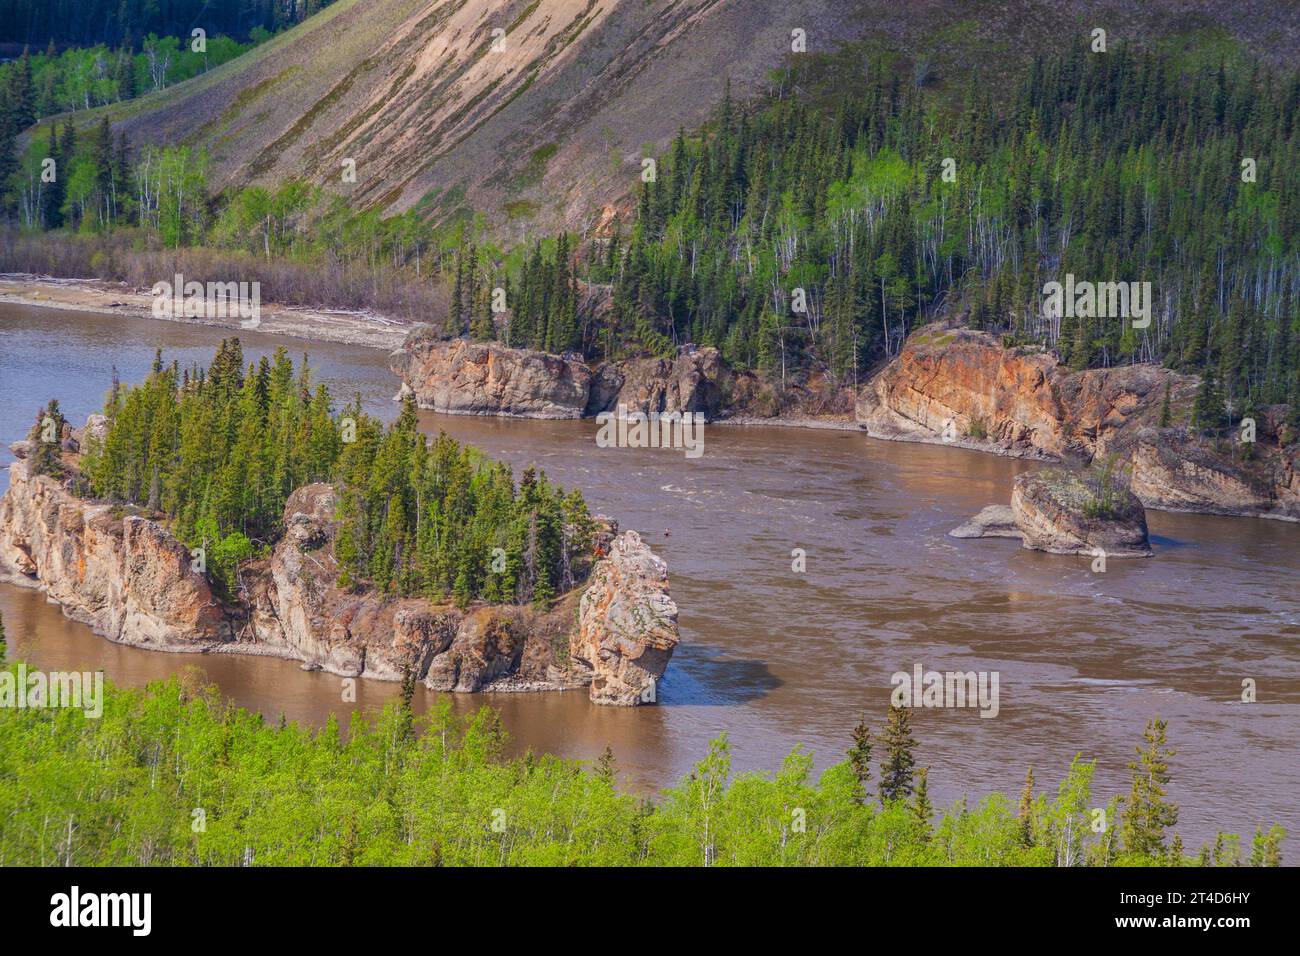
x,y
105,297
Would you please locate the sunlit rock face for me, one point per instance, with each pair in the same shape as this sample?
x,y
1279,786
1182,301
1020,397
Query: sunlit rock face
x,y
962,387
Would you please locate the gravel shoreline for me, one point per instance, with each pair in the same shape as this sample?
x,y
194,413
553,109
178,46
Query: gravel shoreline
x,y
365,329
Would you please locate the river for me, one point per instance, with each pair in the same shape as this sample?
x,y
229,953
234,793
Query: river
x,y
777,658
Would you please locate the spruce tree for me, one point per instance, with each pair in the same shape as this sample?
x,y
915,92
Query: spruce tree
x,y
922,809
1208,411
896,768
1025,813
860,757
606,769
1148,812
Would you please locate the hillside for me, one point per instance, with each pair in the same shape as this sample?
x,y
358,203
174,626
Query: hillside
x,y
548,131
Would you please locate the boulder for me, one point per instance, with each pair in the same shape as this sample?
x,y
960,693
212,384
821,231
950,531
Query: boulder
x,y
1066,512
995,521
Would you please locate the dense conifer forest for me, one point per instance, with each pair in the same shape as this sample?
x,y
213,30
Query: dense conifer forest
x,y
220,449
87,22
1119,166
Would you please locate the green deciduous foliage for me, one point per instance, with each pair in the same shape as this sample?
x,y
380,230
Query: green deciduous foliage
x,y
182,778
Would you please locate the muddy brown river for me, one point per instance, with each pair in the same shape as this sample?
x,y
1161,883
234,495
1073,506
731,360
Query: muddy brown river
x,y
777,658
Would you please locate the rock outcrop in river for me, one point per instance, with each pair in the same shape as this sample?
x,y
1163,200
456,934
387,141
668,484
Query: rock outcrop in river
x,y
963,387
1066,512
461,377
127,577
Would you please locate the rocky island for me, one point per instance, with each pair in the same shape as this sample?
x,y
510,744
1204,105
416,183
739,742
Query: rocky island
x,y
1062,511
120,566
458,376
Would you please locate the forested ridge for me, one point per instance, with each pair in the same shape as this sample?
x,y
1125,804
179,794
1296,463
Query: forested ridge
x,y
1114,166
181,778
220,449
87,22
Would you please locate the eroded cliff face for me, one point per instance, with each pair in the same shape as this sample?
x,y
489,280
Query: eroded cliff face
x,y
460,377
691,382
110,568
1012,401
962,387
1173,471
132,581
627,624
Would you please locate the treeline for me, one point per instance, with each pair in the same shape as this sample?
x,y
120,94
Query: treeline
x,y
538,309
182,779
220,449
114,22
81,78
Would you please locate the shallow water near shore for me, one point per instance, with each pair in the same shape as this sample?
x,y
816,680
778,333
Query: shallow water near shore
x,y
777,658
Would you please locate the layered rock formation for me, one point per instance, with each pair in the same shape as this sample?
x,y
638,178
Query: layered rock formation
x,y
460,377
110,568
963,387
689,383
627,624
1066,512
1173,471
129,579
1012,401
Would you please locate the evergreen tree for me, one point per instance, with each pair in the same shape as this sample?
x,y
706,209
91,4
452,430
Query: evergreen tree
x,y
896,767
922,809
1025,812
860,757
1147,812
1208,413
